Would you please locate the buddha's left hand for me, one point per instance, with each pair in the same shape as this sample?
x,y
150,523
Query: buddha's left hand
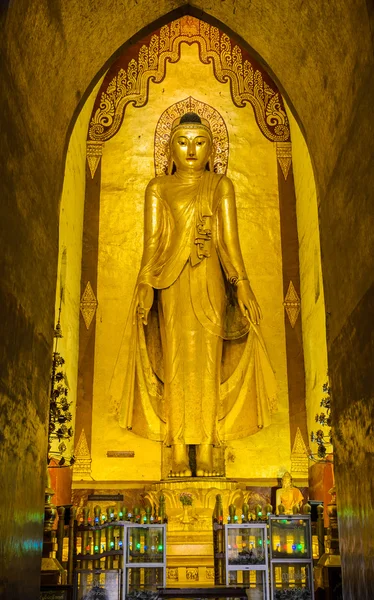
x,y
248,303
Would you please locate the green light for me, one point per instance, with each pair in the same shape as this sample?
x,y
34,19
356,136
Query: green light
x,y
112,544
299,546
259,513
96,548
138,546
160,547
121,514
260,542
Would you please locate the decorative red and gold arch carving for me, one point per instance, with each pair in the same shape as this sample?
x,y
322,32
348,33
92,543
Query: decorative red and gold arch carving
x,y
127,81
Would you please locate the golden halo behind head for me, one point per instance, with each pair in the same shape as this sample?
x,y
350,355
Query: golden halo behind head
x,y
191,113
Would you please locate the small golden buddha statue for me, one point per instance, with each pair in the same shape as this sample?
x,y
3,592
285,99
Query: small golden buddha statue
x,y
288,495
193,296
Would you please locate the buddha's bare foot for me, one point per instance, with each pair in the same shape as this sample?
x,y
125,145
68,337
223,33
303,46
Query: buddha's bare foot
x,y
180,466
204,461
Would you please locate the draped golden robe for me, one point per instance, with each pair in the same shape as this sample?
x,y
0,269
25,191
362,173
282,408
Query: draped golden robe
x,y
180,381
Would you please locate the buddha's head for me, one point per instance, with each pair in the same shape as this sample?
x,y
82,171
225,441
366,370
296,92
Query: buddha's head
x,y
191,144
286,480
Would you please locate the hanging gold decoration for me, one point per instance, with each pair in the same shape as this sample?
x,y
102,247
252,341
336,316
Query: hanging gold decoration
x,y
292,304
94,153
284,156
88,305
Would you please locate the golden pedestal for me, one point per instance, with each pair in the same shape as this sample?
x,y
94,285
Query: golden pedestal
x,y
189,542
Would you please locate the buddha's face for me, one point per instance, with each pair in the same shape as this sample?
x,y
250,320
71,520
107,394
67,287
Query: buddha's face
x,y
286,480
191,149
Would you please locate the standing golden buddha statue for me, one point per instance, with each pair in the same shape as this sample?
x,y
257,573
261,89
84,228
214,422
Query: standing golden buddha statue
x,y
192,297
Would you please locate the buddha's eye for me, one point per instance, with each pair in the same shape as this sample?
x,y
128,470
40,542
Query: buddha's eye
x,y
182,142
200,142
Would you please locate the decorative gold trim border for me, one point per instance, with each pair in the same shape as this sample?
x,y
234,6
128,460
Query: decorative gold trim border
x,y
215,47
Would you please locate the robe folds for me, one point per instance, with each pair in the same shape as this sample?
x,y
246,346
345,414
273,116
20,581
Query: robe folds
x,y
198,372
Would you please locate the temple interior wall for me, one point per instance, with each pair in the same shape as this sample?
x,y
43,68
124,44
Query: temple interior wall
x,y
325,69
313,310
68,287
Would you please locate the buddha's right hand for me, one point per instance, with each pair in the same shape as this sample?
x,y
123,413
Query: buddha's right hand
x,y
145,301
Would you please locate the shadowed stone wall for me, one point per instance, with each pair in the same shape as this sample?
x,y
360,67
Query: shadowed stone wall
x,y
52,53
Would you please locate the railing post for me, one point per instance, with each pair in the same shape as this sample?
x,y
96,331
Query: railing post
x,y
320,530
60,532
72,545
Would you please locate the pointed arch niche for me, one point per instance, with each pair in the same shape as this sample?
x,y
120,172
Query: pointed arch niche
x,y
109,163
